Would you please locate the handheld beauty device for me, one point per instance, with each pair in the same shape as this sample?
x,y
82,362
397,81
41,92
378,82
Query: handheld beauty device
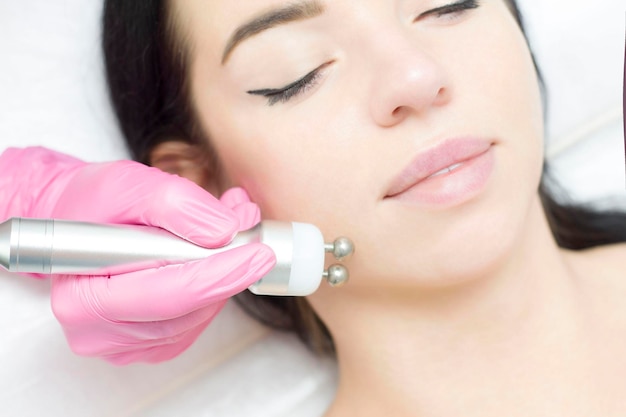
x,y
47,246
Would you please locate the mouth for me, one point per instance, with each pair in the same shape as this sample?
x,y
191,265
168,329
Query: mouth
x,y
444,171
453,171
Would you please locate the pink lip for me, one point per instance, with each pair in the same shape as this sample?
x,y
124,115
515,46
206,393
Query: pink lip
x,y
416,184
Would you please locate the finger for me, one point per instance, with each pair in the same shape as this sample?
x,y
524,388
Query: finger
x,y
187,210
96,337
159,352
136,194
81,328
171,291
234,196
247,212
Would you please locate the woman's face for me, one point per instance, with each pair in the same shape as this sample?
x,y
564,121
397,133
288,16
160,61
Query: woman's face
x,y
329,112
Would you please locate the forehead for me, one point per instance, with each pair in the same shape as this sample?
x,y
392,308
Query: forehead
x,y
209,25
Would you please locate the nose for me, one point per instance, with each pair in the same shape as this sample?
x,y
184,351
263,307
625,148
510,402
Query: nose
x,y
407,82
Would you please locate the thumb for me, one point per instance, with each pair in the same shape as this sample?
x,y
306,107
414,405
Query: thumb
x,y
167,292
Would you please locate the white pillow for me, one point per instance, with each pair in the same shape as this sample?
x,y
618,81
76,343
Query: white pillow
x,y
580,51
52,79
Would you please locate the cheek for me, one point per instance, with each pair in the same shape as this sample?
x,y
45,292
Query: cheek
x,y
285,173
284,183
503,77
522,111
502,94
303,170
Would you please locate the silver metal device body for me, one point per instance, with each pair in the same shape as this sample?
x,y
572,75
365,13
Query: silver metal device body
x,y
47,246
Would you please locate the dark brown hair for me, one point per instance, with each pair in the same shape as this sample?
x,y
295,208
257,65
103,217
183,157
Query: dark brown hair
x,y
146,71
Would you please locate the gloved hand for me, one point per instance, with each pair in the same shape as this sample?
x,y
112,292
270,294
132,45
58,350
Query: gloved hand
x,y
150,315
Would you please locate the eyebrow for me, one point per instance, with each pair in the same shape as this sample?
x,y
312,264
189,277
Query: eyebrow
x,y
291,13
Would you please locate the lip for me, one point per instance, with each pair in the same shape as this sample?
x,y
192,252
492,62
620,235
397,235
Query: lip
x,y
472,164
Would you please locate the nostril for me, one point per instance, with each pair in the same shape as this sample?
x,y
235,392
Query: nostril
x,y
398,111
442,96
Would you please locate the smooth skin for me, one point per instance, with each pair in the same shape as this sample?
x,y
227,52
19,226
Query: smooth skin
x,y
469,309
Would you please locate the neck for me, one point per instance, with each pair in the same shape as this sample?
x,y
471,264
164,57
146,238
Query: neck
x,y
416,351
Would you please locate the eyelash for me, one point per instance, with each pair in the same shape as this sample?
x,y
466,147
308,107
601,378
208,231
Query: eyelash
x,y
451,10
284,94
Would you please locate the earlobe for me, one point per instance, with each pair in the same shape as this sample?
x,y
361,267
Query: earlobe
x,y
185,160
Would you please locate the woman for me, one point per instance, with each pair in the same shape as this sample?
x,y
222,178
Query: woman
x,y
416,129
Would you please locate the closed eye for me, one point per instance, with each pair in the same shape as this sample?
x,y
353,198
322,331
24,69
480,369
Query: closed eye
x,y
451,10
291,90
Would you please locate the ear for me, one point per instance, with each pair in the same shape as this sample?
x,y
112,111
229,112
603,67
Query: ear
x,y
188,161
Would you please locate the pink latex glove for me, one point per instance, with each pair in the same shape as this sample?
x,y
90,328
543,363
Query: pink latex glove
x,y
150,315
